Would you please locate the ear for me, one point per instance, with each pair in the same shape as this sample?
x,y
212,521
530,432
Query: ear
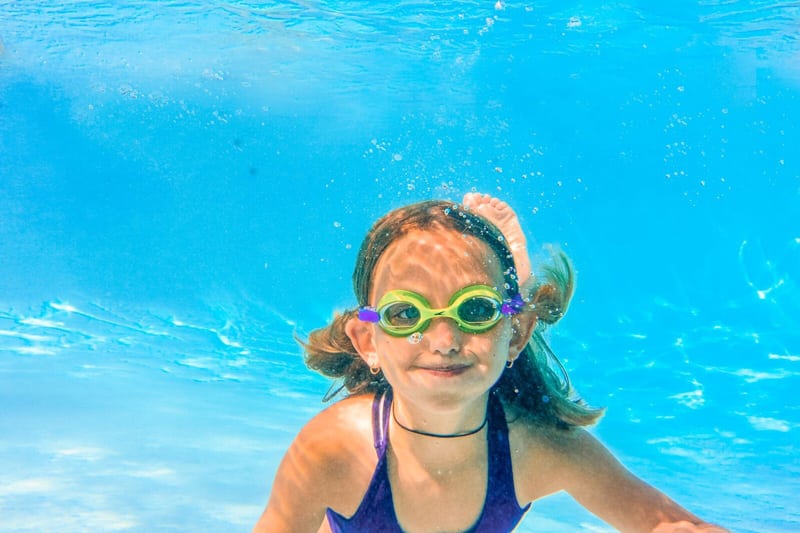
x,y
522,326
362,335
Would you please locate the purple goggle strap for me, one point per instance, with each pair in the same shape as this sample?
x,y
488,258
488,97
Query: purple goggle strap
x,y
513,306
368,314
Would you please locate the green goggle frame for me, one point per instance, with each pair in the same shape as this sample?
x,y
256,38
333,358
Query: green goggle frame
x,y
475,309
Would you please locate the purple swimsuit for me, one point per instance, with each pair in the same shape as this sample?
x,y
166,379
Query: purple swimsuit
x,y
501,512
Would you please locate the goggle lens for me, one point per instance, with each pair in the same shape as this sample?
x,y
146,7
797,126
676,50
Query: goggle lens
x,y
400,315
479,310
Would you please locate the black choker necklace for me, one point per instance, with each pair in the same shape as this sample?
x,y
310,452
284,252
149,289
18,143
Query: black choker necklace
x,y
440,435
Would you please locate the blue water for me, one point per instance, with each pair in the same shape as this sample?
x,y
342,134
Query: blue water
x,y
184,186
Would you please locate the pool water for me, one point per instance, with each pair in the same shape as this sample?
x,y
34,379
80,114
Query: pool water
x,y
184,187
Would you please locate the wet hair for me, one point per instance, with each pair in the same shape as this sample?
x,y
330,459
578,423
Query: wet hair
x,y
536,387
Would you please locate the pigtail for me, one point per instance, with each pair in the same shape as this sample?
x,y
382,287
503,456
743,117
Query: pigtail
x,y
330,352
551,298
537,386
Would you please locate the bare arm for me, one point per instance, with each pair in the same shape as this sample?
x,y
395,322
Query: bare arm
x,y
599,482
329,464
296,503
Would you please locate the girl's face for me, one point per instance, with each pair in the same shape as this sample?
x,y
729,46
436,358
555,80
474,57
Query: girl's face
x,y
447,365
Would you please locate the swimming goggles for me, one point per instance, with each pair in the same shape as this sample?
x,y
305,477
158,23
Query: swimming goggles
x,y
474,309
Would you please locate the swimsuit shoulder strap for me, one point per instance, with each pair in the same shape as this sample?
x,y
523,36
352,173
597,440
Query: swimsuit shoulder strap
x,y
376,510
501,510
499,448
381,407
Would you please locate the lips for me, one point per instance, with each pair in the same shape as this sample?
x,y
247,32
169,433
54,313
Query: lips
x,y
446,369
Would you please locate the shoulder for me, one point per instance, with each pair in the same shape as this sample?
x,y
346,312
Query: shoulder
x,y
335,437
544,456
549,459
565,453
337,446
328,463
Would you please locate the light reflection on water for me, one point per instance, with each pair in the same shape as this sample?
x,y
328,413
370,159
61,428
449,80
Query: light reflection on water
x,y
113,421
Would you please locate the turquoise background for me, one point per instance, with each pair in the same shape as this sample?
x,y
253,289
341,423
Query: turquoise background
x,y
184,186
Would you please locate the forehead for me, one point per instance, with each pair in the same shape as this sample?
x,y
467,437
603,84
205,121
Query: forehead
x,y
423,261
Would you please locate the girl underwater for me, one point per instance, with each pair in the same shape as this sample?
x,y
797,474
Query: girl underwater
x,y
455,419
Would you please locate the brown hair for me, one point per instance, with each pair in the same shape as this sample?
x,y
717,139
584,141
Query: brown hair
x,y
530,388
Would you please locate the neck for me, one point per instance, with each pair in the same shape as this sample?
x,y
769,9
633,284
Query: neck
x,y
440,435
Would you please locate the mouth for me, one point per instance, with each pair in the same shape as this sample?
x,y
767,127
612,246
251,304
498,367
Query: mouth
x,y
446,370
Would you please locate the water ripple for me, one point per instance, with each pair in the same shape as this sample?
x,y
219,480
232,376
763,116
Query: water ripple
x,y
222,347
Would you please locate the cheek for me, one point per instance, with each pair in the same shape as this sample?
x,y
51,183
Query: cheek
x,y
393,347
495,342
501,335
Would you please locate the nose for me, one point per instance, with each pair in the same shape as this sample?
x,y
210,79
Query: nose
x,y
443,335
